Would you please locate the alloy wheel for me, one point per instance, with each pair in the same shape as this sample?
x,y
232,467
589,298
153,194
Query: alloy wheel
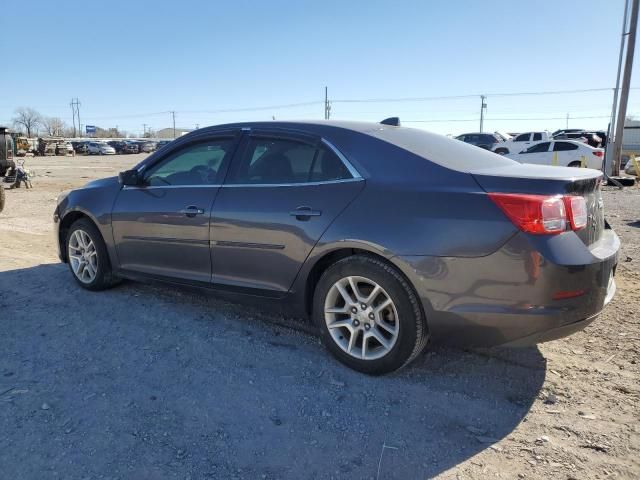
x,y
83,256
361,317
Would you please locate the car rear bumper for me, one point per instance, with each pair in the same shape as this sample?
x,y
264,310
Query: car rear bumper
x,y
517,295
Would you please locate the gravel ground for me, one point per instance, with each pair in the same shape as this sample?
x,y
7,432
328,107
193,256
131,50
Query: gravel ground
x,y
146,382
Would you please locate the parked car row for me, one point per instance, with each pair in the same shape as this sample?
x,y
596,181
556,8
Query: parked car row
x,y
116,146
568,147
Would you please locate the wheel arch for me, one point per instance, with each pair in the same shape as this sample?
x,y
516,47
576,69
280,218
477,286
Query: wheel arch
x,y
330,257
65,224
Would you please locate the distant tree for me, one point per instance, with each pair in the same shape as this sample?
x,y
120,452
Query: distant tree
x,y
54,126
150,134
27,118
68,132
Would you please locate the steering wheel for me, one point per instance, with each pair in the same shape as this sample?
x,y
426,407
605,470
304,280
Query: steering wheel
x,y
205,174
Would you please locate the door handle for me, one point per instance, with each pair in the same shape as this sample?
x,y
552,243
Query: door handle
x,y
192,211
305,213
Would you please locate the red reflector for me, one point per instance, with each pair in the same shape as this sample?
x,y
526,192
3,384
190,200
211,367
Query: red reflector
x,y
598,153
537,214
564,294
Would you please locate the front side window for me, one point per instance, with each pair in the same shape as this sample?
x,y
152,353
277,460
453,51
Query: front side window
x,y
537,137
269,161
540,147
564,146
524,137
197,164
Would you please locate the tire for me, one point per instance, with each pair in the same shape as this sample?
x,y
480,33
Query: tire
x,y
103,277
2,198
501,151
576,164
404,316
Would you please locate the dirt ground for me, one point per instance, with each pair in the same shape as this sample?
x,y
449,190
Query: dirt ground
x,y
147,382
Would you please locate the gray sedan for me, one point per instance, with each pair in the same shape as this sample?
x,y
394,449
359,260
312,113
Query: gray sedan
x,y
386,237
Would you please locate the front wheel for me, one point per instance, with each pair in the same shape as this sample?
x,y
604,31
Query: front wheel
x,y
368,315
87,256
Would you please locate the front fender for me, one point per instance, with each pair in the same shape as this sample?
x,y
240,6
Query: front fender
x,y
94,201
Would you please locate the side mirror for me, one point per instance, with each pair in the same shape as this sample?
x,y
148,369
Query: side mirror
x,y
130,178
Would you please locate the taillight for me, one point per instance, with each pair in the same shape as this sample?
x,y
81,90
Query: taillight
x,y
598,153
538,214
542,214
577,211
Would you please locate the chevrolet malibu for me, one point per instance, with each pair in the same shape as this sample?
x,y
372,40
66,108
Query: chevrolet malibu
x,y
386,237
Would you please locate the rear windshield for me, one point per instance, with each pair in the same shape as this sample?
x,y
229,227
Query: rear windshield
x,y
439,149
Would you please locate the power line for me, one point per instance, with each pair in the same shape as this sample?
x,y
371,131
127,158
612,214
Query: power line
x,y
455,97
504,119
254,109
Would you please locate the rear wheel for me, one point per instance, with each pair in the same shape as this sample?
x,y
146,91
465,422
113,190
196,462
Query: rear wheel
x,y
575,164
87,256
501,151
368,315
2,198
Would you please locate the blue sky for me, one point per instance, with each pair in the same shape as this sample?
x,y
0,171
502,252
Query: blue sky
x,y
131,62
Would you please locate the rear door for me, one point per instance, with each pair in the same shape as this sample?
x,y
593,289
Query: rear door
x,y
282,192
567,152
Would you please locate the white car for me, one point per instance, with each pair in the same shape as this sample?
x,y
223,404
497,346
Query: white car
x,y
99,148
521,142
563,153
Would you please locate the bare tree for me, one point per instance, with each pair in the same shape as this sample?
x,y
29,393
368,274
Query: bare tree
x,y
28,119
54,126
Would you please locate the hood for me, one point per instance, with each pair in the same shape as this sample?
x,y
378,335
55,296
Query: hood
x,y
102,182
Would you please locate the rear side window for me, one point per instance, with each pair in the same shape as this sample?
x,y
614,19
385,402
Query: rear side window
x,y
524,137
564,146
537,137
269,161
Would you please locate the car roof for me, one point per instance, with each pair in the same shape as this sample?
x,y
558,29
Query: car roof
x,y
436,148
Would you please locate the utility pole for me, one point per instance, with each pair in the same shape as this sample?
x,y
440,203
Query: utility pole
x,y
610,146
173,116
73,113
567,126
144,129
483,107
78,113
327,104
626,84
75,110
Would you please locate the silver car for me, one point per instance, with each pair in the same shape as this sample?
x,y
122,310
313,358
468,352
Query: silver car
x,y
99,148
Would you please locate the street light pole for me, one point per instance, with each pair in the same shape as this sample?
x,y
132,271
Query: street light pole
x,y
483,107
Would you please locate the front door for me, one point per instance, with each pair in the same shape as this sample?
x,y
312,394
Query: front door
x,y
161,228
281,194
537,154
